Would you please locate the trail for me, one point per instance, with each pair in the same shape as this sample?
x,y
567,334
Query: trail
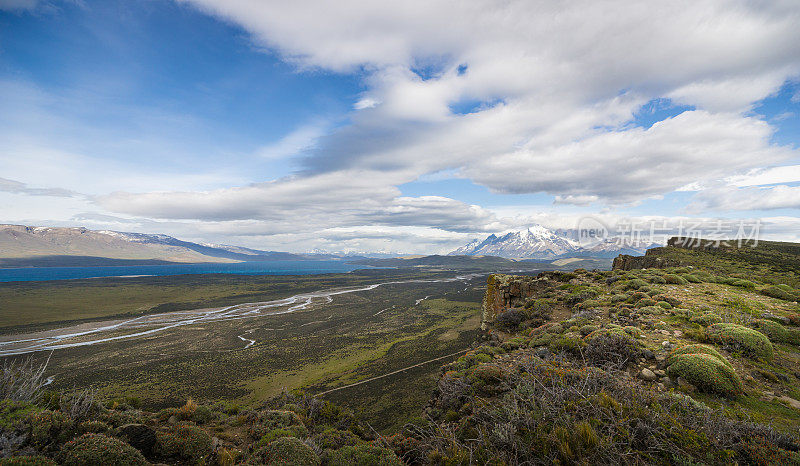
x,y
391,373
148,325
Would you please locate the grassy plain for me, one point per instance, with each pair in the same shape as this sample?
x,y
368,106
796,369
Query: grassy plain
x,y
330,344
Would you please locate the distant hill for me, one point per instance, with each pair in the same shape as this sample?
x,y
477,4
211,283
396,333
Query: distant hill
x,y
487,263
26,246
537,242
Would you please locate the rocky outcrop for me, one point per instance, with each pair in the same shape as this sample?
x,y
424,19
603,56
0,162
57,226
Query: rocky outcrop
x,y
506,291
648,261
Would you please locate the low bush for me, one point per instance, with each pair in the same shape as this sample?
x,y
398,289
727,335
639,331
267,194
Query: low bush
x,y
334,439
510,319
697,349
97,449
286,451
50,428
186,442
664,305
635,284
773,330
707,372
739,338
364,455
743,284
706,319
673,279
645,303
612,346
292,431
691,278
779,292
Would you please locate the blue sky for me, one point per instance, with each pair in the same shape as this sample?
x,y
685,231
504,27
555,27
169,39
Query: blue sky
x,y
371,127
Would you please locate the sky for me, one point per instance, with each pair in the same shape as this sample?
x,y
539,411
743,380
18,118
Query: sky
x,y
400,127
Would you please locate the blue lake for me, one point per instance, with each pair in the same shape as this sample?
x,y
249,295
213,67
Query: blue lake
x,y
242,268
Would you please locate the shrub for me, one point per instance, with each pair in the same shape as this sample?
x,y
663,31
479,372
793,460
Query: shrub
x,y
743,284
335,438
773,330
21,381
566,344
779,292
612,346
664,305
186,442
286,451
675,279
697,349
13,414
707,372
364,455
50,428
202,415
635,284
27,461
510,319
674,302
95,449
691,278
645,303
292,431
587,329
737,337
658,279
706,319
636,296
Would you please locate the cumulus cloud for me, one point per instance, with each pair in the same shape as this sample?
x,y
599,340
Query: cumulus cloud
x,y
555,86
522,96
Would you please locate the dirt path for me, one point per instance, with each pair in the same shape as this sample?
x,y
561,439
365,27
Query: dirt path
x,y
391,373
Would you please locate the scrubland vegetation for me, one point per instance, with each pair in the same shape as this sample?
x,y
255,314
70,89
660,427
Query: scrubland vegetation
x,y
693,364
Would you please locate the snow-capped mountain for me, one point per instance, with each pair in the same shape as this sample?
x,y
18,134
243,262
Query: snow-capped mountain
x,y
537,242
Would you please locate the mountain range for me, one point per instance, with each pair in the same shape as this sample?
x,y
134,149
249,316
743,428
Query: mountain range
x,y
540,243
26,246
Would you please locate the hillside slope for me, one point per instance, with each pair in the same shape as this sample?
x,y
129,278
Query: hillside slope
x,y
695,363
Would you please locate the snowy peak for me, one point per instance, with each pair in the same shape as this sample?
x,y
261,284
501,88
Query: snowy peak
x,y
536,242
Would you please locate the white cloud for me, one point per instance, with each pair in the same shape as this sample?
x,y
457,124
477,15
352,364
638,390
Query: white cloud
x,y
295,143
773,175
746,198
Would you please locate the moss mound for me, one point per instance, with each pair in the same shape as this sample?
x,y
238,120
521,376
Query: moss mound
x,y
706,319
697,349
286,451
186,442
737,337
95,449
773,330
707,372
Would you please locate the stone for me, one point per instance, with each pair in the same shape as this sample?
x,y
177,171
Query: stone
x,y
648,354
666,344
660,373
677,333
648,375
790,401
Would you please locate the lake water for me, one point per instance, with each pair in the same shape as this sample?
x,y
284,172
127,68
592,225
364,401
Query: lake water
x,y
242,268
